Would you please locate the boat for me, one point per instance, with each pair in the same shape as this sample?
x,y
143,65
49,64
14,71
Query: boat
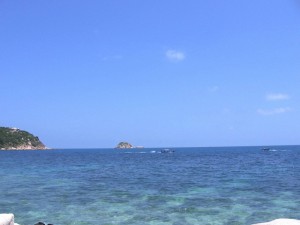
x,y
266,149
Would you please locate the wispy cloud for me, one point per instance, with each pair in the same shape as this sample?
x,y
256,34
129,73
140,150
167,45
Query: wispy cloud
x,y
273,111
174,55
277,97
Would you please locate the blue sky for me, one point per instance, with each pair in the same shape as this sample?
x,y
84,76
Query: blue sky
x,y
154,73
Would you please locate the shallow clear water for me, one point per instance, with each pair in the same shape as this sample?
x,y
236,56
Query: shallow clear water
x,y
206,186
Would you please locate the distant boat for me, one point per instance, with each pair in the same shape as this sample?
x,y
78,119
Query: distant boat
x,y
166,150
139,147
266,149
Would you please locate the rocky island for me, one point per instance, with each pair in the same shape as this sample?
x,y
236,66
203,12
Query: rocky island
x,y
16,139
124,145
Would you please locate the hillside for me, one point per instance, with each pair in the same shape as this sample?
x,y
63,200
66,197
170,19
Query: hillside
x,y
13,138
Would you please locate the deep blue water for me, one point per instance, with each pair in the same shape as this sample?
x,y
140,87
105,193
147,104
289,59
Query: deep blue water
x,y
206,186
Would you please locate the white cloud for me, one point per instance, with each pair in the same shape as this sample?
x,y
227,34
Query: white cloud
x,y
273,111
174,55
277,97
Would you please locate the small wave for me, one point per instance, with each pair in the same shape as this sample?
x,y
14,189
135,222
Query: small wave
x,y
278,150
135,152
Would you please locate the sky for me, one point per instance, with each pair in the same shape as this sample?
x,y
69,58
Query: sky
x,y
154,73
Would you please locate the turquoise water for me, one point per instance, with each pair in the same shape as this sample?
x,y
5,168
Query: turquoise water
x,y
206,186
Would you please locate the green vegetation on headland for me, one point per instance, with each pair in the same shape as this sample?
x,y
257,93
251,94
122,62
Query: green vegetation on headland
x,y
14,138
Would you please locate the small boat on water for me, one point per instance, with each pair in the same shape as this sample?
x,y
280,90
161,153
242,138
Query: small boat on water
x,y
166,150
266,149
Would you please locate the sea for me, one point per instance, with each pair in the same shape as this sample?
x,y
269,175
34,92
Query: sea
x,y
205,186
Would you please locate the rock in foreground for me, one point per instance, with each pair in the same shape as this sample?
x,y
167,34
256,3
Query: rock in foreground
x,y
7,219
16,139
281,222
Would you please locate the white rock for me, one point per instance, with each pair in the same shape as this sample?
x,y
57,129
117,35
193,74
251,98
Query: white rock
x,y
281,222
7,219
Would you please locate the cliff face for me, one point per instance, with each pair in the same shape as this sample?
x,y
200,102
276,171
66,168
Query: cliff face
x,y
13,138
124,145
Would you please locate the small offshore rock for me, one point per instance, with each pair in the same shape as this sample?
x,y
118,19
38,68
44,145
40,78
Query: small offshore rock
x,y
124,145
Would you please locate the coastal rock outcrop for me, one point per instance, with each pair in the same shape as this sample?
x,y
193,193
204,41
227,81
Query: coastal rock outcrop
x,y
124,145
16,139
281,222
7,219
